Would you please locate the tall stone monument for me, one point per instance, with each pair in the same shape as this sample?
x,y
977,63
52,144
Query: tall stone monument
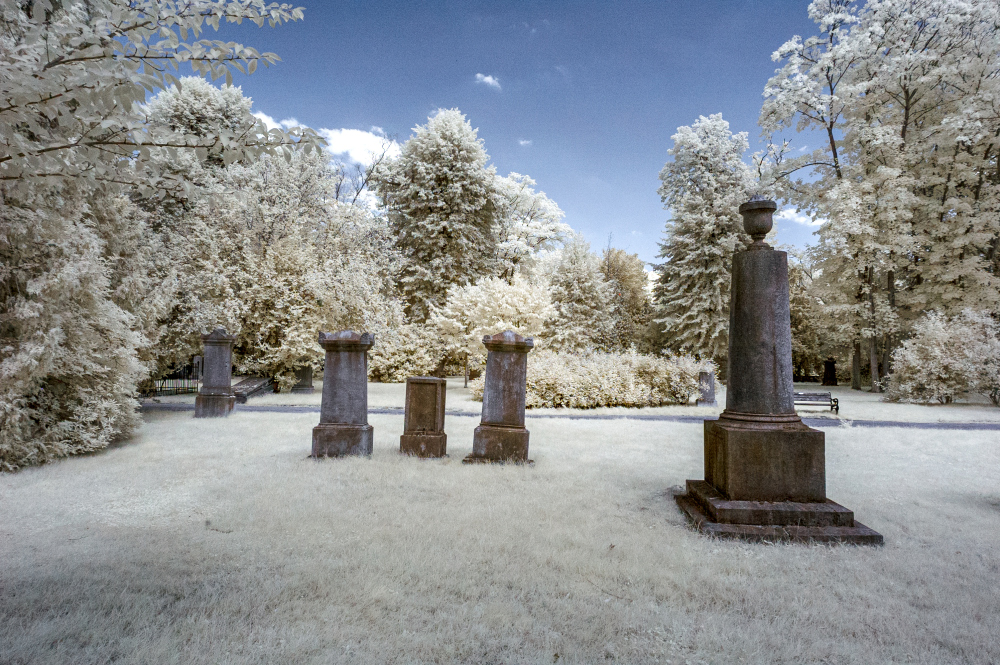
x,y
216,398
343,418
501,436
423,420
765,470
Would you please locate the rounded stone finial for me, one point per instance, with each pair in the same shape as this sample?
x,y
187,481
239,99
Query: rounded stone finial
x,y
758,218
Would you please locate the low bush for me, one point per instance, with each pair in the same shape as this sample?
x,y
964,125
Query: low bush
x,y
410,350
589,380
946,357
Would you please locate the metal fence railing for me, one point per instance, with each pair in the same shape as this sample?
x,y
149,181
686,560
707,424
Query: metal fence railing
x,y
185,380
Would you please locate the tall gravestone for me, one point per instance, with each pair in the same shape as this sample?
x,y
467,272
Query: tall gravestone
x,y
706,389
343,419
423,419
216,398
765,470
501,436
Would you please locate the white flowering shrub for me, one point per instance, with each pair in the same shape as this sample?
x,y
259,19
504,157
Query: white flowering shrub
x,y
590,380
409,350
69,334
487,307
946,357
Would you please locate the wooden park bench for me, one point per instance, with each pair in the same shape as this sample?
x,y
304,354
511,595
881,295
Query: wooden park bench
x,y
824,399
251,387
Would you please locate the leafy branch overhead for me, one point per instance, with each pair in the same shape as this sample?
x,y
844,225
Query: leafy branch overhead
x,y
74,78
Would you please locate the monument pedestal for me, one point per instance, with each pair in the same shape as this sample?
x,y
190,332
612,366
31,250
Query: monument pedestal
x,y
343,414
337,440
815,521
424,444
501,435
492,443
213,406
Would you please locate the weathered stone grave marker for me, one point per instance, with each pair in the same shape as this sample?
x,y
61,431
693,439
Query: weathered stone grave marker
x,y
501,436
216,398
765,470
423,420
304,375
343,420
706,389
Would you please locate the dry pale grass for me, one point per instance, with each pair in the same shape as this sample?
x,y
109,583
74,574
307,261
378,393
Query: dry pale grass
x,y
220,542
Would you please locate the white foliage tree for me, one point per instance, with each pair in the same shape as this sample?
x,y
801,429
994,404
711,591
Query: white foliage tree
x,y
83,286
702,187
582,299
527,222
490,306
946,357
438,195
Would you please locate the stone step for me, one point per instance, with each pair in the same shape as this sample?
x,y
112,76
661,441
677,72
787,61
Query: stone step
x,y
859,534
768,513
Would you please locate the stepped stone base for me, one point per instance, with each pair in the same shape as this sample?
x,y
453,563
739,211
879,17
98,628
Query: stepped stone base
x,y
213,406
424,444
338,440
494,443
820,521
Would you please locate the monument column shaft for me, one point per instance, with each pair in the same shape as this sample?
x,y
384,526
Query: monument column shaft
x,y
345,388
506,373
760,337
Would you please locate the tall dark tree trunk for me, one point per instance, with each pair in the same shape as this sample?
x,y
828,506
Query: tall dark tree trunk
x,y
873,360
856,366
466,370
888,348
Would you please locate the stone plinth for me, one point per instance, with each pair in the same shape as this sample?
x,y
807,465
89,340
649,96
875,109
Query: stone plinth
x,y
501,436
343,419
216,398
423,422
706,389
765,471
304,384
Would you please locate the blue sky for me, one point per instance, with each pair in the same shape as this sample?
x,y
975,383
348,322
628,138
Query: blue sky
x,y
581,96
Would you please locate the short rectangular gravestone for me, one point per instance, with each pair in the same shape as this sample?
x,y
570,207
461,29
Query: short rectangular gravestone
x,y
765,470
216,398
501,436
304,383
423,421
343,419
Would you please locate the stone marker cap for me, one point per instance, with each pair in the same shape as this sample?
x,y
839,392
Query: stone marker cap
x,y
346,340
218,336
508,341
757,218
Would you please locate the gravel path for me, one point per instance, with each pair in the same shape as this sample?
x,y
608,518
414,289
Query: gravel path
x,y
812,422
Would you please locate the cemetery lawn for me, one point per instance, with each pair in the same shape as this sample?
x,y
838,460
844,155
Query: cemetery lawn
x,y
219,541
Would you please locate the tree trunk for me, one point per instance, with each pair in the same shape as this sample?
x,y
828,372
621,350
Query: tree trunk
x,y
856,366
873,359
466,370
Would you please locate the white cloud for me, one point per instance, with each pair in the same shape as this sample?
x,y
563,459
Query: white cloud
x,y
355,146
271,123
491,81
524,142
790,215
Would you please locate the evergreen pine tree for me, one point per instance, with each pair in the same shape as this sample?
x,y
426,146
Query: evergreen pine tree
x,y
703,188
438,194
583,318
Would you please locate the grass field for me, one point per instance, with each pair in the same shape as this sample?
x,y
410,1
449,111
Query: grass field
x,y
220,542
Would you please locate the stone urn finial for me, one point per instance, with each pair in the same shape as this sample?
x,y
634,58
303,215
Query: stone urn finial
x,y
758,219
